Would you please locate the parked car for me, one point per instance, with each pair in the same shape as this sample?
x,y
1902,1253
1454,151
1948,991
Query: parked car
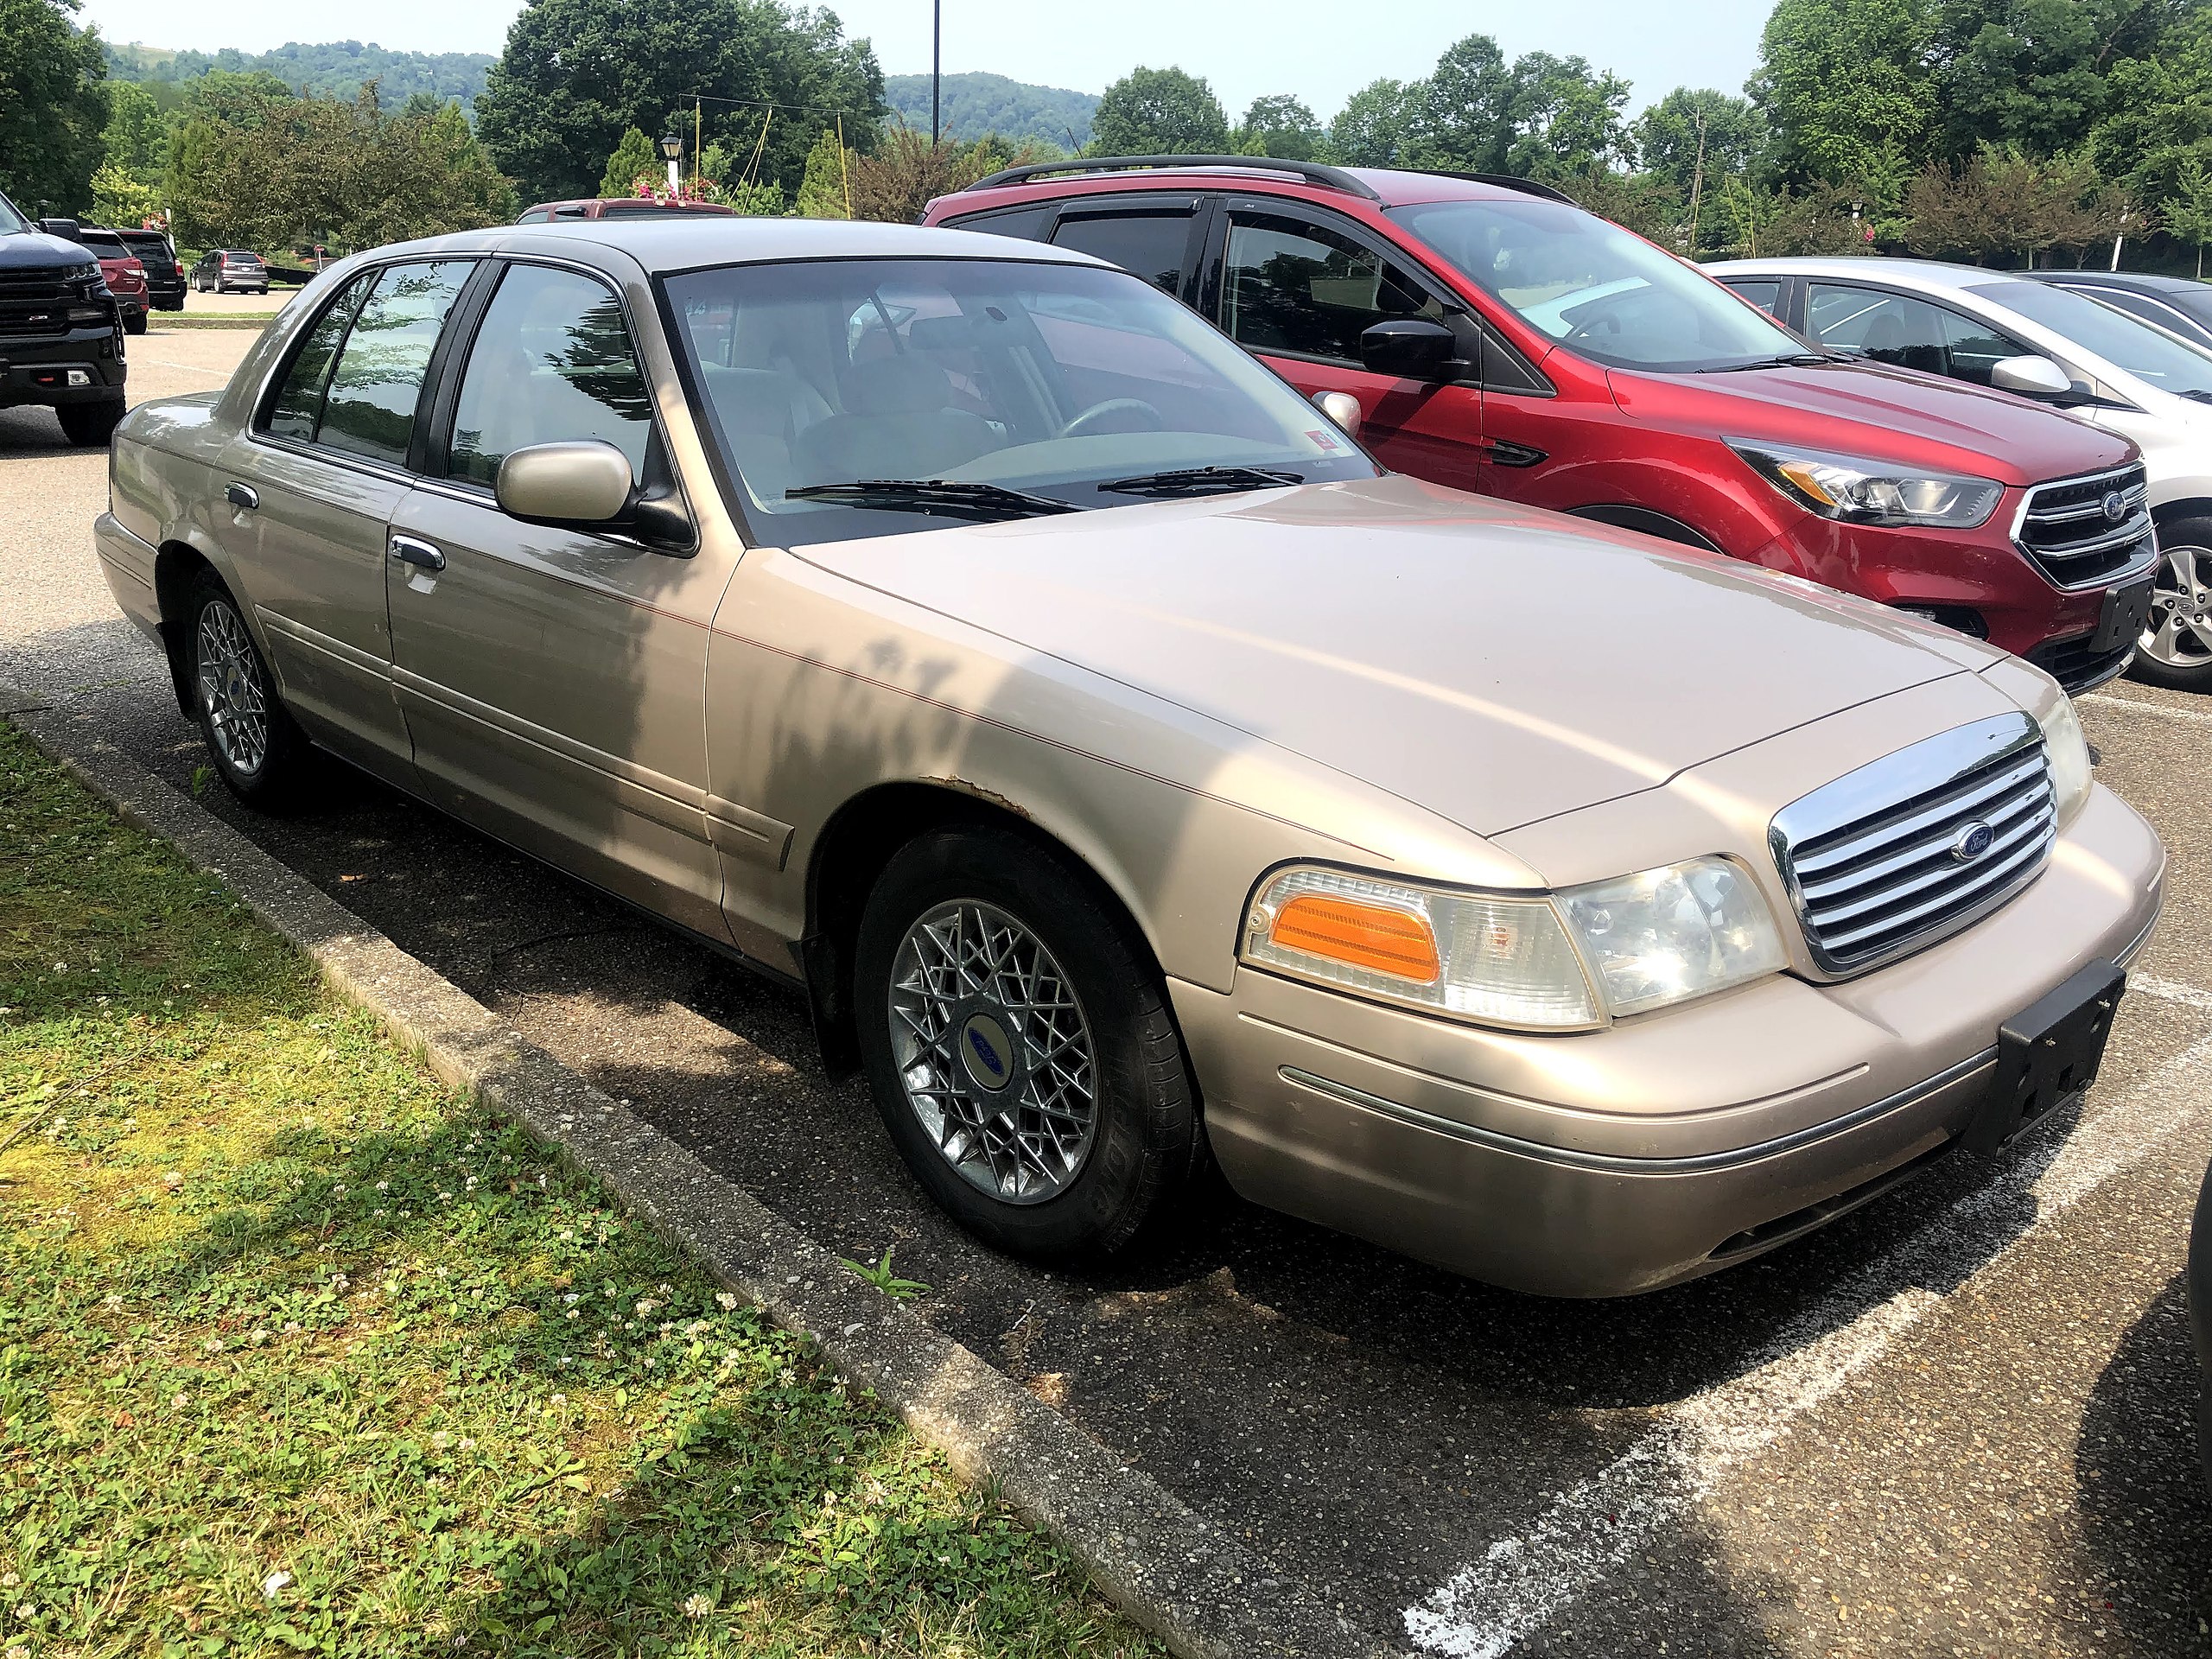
x,y
1500,339
2176,303
164,277
60,330
963,634
546,213
2102,365
225,271
126,278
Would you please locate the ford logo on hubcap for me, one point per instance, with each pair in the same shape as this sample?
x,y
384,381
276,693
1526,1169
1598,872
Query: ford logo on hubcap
x,y
986,1052
1971,842
2115,505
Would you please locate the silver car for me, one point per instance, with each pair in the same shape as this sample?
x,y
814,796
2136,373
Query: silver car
x,y
964,635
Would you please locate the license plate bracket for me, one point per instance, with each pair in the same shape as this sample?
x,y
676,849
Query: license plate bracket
x,y
2047,1054
2127,614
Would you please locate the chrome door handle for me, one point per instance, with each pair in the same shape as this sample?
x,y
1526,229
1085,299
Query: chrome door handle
x,y
408,550
244,497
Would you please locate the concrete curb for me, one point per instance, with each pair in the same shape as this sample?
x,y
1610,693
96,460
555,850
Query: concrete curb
x,y
1170,1569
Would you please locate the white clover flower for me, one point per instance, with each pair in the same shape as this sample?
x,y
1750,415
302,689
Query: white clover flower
x,y
570,1314
559,1400
724,1301
697,1606
383,1187
280,1579
114,1301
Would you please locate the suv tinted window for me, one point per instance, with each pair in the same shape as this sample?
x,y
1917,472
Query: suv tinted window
x,y
552,362
296,410
1028,223
1293,286
1149,245
370,409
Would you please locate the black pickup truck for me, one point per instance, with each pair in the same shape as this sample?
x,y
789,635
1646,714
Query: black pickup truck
x,y
60,332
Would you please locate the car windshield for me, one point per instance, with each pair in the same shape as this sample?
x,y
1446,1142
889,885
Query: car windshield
x,y
1015,387
1596,289
12,222
2150,353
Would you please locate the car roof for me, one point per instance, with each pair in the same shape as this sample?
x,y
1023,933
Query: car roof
x,y
671,244
1391,186
1934,275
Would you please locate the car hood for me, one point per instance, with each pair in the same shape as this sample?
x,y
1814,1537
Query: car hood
x,y
1887,413
36,248
1492,664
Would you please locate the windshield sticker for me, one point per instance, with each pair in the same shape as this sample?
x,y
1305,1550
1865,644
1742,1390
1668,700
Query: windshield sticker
x,y
1323,440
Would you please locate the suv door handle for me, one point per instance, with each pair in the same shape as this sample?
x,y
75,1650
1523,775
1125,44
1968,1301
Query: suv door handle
x,y
408,550
244,497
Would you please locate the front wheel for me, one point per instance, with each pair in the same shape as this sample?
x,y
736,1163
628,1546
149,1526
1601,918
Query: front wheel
x,y
2176,649
258,750
86,424
1018,1042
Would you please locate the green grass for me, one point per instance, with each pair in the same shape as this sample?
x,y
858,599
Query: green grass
x,y
298,1352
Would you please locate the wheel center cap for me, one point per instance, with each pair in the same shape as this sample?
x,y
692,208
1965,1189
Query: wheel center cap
x,y
987,1053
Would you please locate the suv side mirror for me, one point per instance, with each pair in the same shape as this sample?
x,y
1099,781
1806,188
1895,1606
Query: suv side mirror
x,y
1410,348
2030,376
587,484
63,228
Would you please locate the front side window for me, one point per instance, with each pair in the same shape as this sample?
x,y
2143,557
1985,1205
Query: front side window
x,y
1892,328
551,363
370,409
1070,383
1150,245
1764,292
2143,350
296,410
1298,287
1596,289
12,222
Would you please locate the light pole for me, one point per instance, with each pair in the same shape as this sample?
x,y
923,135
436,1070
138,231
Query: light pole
x,y
671,148
937,70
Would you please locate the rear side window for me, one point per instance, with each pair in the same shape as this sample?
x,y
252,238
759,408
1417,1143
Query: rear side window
x,y
1301,289
1030,224
297,408
551,363
370,409
1150,245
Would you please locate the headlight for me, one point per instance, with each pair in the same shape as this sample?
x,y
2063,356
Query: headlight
x,y
2068,752
1556,961
1872,491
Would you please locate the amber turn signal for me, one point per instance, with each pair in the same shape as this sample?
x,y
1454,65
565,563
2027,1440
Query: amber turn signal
x,y
1373,937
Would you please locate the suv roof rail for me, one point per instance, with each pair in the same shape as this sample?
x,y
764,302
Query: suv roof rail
x,y
1508,181
1333,178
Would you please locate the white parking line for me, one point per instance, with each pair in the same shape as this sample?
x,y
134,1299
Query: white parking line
x,y
1523,1582
2187,717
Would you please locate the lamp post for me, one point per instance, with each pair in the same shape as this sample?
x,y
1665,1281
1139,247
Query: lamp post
x,y
671,148
937,69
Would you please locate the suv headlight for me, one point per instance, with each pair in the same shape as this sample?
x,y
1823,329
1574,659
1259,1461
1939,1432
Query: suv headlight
x,y
1864,491
1549,961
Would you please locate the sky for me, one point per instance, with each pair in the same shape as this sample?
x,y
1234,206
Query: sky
x,y
1245,47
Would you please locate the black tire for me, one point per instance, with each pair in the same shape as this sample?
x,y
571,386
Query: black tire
x,y
86,424
228,690
2171,653
135,324
1145,1141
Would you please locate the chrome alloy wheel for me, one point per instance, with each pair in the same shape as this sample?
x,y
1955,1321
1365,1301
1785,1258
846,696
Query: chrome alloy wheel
x,y
994,1052
231,689
2180,633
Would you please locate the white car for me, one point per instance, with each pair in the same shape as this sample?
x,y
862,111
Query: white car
x,y
1996,327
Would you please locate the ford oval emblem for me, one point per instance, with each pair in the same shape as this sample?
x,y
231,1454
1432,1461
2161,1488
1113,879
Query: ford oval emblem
x,y
989,1051
1972,841
2115,505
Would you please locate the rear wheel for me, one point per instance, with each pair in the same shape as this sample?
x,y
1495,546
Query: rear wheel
x,y
1018,1042
135,323
2176,650
90,423
258,750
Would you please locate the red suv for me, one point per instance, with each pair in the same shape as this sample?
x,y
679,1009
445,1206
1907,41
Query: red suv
x,y
1500,339
126,277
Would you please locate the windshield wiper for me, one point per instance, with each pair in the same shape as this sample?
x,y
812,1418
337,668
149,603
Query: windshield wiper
x,y
933,495
2198,395
1202,480
1796,361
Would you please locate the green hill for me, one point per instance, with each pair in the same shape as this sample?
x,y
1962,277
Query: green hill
x,y
975,103
334,68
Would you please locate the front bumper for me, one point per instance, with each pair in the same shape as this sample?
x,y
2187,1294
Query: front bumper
x,y
1665,1147
35,369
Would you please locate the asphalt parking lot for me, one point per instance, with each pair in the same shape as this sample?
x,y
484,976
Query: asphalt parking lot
x,y
1958,1422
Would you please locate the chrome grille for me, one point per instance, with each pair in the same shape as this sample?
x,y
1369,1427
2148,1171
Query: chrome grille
x,y
1920,843
2068,530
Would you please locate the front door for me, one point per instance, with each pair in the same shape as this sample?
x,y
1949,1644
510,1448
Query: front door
x,y
310,493
554,680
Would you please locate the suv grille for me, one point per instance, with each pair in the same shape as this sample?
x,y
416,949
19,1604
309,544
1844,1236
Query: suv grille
x,y
35,299
2068,528
1918,844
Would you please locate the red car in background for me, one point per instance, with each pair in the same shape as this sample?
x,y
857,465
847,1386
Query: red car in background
x,y
1500,339
548,212
126,277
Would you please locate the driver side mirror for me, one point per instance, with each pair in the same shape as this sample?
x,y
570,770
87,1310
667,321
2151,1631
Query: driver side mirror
x,y
61,227
1342,408
2030,376
1410,348
587,484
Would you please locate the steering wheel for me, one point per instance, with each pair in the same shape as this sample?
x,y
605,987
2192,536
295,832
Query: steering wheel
x,y
1137,415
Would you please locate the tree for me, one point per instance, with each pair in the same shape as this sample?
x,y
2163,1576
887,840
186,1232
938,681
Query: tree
x,y
2001,205
1159,112
1642,202
824,192
2159,116
123,198
1782,223
136,136
1461,118
52,105
1378,125
1564,119
2188,208
2032,74
576,73
1279,125
1668,137
1847,86
636,157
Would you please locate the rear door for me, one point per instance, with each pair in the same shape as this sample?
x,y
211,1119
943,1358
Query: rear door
x,y
555,680
311,491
